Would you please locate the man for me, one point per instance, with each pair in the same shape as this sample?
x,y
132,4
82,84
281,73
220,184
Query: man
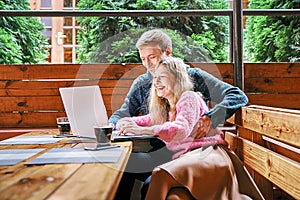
x,y
153,45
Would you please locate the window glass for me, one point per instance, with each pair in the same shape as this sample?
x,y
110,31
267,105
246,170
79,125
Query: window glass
x,y
47,21
68,55
77,48
46,3
68,3
76,22
47,32
49,57
67,21
68,38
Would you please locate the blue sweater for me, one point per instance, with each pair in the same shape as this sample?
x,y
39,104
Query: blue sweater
x,y
228,98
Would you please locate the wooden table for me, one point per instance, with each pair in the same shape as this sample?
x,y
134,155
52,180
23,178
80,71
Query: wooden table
x,y
61,181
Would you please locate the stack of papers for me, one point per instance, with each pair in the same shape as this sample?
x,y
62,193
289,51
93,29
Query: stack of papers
x,y
43,139
77,155
14,156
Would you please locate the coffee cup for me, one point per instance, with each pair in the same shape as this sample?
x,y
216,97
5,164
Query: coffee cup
x,y
63,125
103,134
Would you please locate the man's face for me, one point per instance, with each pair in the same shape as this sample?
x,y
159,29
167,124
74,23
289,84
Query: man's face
x,y
150,56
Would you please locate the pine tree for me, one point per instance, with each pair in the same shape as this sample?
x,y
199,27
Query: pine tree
x,y
273,38
112,39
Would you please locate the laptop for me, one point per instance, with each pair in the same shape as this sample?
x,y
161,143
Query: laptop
x,y
85,109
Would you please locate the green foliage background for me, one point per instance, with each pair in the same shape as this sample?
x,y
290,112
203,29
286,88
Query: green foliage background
x,y
273,38
112,39
195,39
21,39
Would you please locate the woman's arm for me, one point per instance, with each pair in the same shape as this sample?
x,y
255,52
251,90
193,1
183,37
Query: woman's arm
x,y
135,125
190,107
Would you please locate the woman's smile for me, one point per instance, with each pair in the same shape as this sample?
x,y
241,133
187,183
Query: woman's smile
x,y
164,83
160,90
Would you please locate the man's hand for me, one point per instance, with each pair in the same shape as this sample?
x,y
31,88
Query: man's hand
x,y
202,127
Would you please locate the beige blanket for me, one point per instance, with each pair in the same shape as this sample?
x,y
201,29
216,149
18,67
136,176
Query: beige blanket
x,y
210,173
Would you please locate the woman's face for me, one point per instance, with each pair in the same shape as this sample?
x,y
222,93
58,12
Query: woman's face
x,y
164,83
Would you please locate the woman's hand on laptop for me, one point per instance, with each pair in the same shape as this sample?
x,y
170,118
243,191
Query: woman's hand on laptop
x,y
126,126
133,129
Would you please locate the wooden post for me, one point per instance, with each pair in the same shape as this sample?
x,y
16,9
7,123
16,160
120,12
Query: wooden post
x,y
238,44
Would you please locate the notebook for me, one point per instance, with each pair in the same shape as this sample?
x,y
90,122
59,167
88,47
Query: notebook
x,y
85,109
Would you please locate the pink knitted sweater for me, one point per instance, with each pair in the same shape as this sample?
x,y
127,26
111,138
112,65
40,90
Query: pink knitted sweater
x,y
176,134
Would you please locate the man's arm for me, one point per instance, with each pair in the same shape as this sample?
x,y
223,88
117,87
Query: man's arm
x,y
134,103
228,98
121,112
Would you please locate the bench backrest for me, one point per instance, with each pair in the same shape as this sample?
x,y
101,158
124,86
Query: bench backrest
x,y
30,97
268,142
273,84
29,94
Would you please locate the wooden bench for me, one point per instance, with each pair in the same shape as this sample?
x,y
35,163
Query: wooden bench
x,y
268,142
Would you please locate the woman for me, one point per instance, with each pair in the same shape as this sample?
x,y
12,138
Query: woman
x,y
174,112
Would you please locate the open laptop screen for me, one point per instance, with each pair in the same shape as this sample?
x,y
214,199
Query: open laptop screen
x,y
85,108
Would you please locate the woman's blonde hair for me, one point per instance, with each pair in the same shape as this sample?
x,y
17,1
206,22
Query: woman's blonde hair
x,y
159,107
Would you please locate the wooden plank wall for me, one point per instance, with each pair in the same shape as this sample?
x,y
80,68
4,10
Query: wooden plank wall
x,y
273,84
29,94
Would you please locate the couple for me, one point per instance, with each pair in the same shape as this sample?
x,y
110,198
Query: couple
x,y
181,158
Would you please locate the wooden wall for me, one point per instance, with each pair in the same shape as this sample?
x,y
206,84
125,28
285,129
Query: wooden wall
x,y
273,84
29,94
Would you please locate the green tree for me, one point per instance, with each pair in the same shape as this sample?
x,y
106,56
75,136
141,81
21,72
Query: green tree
x,y
273,38
112,39
21,39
